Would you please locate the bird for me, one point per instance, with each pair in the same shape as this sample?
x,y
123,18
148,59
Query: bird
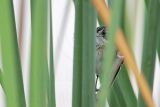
x,y
101,42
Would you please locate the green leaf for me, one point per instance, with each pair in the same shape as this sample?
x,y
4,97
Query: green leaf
x,y
126,88
147,2
12,72
1,81
126,26
149,50
77,60
116,99
88,53
158,42
123,90
158,34
39,67
84,55
52,100
122,85
109,54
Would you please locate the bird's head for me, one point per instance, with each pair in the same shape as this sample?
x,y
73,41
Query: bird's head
x,y
101,32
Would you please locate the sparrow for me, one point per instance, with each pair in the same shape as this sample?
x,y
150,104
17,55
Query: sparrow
x,y
101,43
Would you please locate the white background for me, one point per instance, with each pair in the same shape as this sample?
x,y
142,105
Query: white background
x,y
63,30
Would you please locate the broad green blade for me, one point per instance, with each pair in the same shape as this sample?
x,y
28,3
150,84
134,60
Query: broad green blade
x,y
52,100
116,99
46,81
84,55
126,88
149,45
147,2
158,43
123,90
12,72
1,80
77,60
158,34
0,76
109,54
88,53
126,26
38,74
118,96
122,79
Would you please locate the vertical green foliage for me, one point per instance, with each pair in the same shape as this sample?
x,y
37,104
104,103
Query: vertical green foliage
x,y
123,91
84,55
122,85
0,76
158,42
109,54
52,102
126,88
46,84
149,50
12,73
116,99
77,61
88,53
1,80
158,32
147,3
38,74
126,26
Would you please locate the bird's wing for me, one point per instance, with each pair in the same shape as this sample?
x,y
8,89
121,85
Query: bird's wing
x,y
116,67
